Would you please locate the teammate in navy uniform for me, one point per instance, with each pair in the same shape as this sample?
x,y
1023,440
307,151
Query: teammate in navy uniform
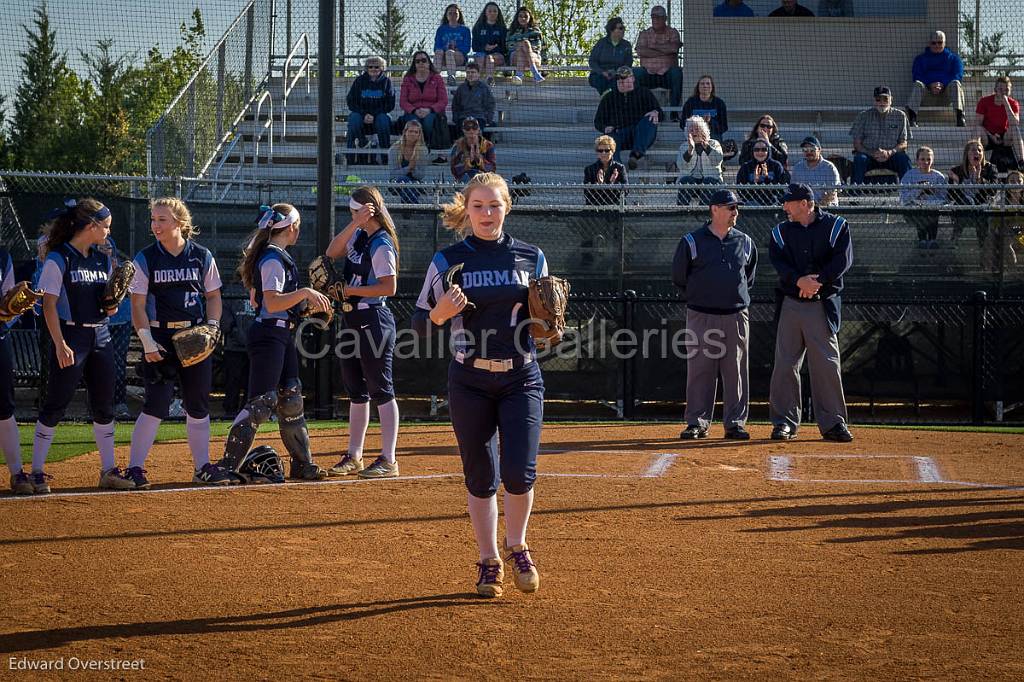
x,y
370,247
73,280
494,383
9,441
176,286
267,269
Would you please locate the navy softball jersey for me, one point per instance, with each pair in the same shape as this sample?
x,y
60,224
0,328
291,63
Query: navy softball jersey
x,y
273,359
367,374
486,398
78,281
175,287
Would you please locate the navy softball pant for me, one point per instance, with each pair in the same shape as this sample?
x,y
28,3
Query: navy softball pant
x,y
6,378
94,360
196,381
509,403
273,358
368,349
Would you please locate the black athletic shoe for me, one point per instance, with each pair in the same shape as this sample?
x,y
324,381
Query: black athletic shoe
x,y
783,432
961,120
838,434
137,475
306,471
694,432
737,433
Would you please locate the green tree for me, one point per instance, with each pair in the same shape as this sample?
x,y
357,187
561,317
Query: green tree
x,y
571,26
47,106
389,37
5,145
108,143
990,47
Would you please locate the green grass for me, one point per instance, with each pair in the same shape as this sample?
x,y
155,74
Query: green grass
x,y
72,440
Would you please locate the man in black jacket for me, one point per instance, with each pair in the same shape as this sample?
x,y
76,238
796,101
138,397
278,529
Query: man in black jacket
x,y
630,114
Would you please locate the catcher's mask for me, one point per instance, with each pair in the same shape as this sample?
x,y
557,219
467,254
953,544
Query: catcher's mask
x,y
262,465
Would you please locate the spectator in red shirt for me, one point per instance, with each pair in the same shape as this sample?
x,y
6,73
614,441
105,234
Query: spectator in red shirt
x,y
998,123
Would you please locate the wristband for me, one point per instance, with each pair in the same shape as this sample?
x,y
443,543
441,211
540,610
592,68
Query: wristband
x,y
213,323
148,344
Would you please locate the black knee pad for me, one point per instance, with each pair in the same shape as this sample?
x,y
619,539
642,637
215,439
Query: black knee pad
x,y
242,434
291,420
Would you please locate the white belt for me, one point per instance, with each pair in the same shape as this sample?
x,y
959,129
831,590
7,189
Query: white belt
x,y
90,325
183,324
505,365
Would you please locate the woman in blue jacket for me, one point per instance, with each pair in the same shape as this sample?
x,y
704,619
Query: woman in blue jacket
x,y
452,42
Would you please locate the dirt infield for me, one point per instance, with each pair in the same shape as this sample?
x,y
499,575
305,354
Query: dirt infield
x,y
896,556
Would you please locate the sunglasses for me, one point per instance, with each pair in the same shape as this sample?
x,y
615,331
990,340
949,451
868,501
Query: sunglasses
x,y
760,149
603,150
623,78
937,42
765,126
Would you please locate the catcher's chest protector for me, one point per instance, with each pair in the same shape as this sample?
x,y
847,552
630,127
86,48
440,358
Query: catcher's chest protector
x,y
85,278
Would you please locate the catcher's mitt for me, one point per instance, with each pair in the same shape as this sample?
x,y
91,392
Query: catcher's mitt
x,y
117,285
195,344
18,300
548,298
324,316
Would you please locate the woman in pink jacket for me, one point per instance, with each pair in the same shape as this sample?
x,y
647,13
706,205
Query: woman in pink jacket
x,y
424,96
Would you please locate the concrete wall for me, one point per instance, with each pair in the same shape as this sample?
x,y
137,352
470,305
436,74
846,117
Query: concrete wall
x,y
762,62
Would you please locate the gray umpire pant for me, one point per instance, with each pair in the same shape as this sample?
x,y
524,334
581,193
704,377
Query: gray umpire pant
x,y
803,329
722,348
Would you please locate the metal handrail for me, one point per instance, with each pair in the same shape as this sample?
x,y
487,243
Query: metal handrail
x,y
289,86
269,125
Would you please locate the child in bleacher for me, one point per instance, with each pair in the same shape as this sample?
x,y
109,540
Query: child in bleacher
x,y
524,43
489,45
926,224
452,41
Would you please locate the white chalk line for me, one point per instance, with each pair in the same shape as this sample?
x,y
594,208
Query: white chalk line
x,y
928,472
656,469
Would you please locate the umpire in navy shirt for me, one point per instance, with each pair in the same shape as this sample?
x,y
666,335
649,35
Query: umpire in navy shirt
x,y
714,266
811,252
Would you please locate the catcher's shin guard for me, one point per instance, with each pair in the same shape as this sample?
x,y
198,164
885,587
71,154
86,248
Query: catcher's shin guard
x,y
242,434
292,421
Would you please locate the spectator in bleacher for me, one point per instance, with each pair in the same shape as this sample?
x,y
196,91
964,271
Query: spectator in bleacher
x,y
973,170
370,100
791,8
762,170
767,130
997,123
473,99
630,114
704,103
452,41
489,46
817,172
699,160
658,50
939,70
472,153
424,96
605,171
608,55
921,190
835,8
408,160
733,8
1010,225
524,47
880,137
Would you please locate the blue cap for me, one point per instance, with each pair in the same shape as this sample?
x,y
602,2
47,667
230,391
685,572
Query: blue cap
x,y
798,192
724,197
812,141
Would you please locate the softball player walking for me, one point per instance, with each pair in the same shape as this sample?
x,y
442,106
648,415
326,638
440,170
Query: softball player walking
x,y
73,279
370,247
176,286
9,440
268,270
495,387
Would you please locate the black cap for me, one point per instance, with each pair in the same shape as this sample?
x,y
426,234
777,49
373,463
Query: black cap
x,y
883,90
811,140
798,192
724,197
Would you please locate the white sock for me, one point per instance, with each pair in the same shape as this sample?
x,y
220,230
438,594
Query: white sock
x,y
41,445
388,413
536,73
10,443
483,514
517,515
104,435
143,437
198,431
358,421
